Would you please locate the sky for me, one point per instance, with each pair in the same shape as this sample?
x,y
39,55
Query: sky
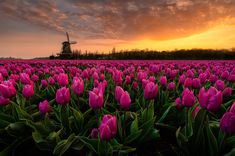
x,y
36,28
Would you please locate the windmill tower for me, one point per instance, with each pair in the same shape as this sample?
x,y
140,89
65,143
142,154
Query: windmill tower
x,y
66,48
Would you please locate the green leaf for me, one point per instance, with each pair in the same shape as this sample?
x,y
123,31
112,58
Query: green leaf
x,y
134,126
231,153
165,114
230,141
92,144
64,145
64,116
133,137
212,142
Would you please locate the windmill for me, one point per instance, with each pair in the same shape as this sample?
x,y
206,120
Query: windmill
x,y
66,49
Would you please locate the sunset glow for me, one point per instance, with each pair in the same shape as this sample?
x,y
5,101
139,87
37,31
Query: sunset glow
x,y
36,29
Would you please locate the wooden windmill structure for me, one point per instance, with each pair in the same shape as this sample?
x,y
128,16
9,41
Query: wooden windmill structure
x,y
66,52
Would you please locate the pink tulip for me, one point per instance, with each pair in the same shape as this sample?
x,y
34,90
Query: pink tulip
x,y
118,93
94,133
78,86
63,79
63,96
196,83
128,80
44,107
108,127
210,100
219,84
188,98
227,122
188,82
7,89
178,103
4,101
125,100
171,86
35,78
182,79
28,90
96,99
44,83
150,91
163,80
24,78
227,91
51,80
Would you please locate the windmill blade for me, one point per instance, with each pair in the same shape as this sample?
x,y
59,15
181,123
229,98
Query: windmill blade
x,y
73,42
67,36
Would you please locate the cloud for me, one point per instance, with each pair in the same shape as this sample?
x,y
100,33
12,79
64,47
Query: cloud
x,y
122,19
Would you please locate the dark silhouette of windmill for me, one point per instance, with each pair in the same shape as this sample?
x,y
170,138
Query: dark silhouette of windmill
x,y
66,52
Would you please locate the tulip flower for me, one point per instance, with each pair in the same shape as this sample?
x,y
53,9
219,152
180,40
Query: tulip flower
x,y
96,99
7,89
35,78
227,122
108,127
44,107
4,101
188,82
163,80
118,93
202,77
78,86
150,91
44,83
188,98
51,80
63,79
128,80
94,133
227,91
182,79
24,78
211,100
219,84
125,100
178,103
196,83
63,96
28,90
171,86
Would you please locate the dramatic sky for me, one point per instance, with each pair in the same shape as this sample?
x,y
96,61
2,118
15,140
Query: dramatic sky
x,y
35,28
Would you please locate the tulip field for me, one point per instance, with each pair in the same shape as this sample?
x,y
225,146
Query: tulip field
x,y
104,107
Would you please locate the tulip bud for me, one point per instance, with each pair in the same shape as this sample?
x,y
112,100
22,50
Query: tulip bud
x,y
219,84
94,133
108,127
227,122
128,80
4,101
51,80
150,91
78,86
96,99
63,79
171,86
35,78
125,100
196,83
24,78
188,82
7,89
44,83
178,103
28,91
163,80
63,96
188,98
211,99
44,106
227,91
118,93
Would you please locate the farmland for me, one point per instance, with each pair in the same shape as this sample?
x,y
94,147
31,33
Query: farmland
x,y
117,107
